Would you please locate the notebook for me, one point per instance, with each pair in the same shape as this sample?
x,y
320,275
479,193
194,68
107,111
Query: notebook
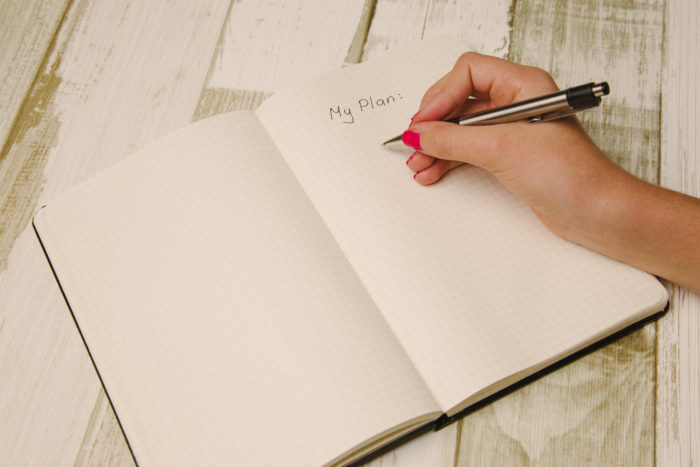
x,y
273,287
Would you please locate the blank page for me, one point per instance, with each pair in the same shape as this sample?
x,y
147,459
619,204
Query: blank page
x,y
473,285
226,324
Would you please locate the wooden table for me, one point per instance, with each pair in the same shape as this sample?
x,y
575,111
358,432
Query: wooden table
x,y
85,82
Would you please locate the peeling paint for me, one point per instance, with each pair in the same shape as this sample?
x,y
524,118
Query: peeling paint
x,y
213,101
24,155
357,46
267,45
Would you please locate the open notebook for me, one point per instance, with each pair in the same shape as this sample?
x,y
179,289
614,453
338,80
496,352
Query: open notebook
x,y
273,288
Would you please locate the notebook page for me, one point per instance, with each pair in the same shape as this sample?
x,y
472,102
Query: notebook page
x,y
474,286
226,324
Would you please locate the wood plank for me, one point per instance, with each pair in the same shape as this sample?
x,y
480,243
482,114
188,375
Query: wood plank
x,y
594,40
678,358
600,409
595,411
103,443
116,78
26,33
482,25
273,44
266,45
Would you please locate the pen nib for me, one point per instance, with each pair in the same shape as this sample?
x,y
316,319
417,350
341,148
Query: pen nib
x,y
395,138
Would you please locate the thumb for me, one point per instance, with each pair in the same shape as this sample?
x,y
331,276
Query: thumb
x,y
483,146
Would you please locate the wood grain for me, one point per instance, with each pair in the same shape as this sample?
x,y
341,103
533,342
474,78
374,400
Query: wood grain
x,y
27,38
678,333
600,409
579,41
26,32
266,45
103,443
595,411
281,45
482,25
85,83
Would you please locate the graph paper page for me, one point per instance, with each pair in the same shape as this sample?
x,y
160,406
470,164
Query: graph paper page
x,y
474,286
224,320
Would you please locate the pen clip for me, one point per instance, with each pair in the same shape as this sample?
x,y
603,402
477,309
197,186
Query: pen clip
x,y
545,117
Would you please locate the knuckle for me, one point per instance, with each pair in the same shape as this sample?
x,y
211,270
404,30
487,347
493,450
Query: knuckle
x,y
537,72
466,58
540,76
452,97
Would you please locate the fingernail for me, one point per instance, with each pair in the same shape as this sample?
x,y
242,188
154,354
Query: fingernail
x,y
414,175
414,116
409,159
411,138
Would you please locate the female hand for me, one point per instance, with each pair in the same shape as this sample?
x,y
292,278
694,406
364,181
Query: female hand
x,y
552,166
555,168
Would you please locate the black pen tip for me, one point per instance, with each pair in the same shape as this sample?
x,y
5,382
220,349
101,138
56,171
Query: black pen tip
x,y
395,138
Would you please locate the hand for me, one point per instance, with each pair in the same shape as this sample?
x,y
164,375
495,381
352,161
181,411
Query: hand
x,y
552,166
555,168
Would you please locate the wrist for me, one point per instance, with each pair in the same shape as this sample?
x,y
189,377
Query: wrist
x,y
646,226
609,214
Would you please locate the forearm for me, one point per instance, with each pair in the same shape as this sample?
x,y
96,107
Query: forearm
x,y
647,226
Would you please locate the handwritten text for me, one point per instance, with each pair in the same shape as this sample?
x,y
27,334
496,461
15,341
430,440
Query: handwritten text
x,y
344,114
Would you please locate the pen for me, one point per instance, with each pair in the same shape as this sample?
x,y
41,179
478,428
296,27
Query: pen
x,y
538,109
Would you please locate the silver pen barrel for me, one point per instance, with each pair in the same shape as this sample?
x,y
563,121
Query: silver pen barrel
x,y
520,111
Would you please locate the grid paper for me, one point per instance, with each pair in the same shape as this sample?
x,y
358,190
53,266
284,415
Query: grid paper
x,y
473,285
225,322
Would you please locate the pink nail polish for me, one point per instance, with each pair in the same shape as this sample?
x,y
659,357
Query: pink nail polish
x,y
411,138
414,116
414,175
409,159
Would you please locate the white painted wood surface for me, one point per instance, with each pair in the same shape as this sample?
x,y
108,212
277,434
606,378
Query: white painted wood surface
x,y
26,32
26,39
116,76
603,404
678,334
